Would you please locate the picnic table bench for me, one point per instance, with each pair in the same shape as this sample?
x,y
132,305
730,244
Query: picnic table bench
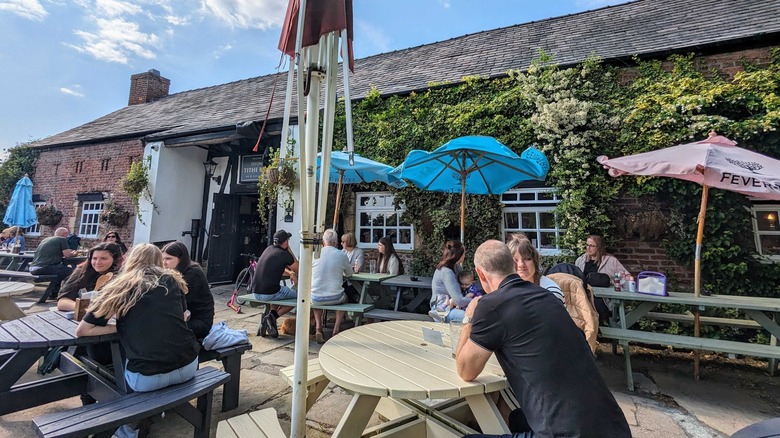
x,y
357,310
231,362
258,424
129,408
8,308
755,308
28,277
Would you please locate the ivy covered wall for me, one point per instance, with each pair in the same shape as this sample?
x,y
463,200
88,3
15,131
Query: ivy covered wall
x,y
574,115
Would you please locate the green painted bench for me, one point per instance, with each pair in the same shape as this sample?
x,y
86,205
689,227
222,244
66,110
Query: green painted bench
x,y
393,315
687,318
357,310
625,336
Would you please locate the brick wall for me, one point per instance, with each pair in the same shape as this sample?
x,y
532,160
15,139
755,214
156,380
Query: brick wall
x,y
63,173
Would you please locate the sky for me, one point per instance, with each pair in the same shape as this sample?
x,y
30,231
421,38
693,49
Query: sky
x,y
64,63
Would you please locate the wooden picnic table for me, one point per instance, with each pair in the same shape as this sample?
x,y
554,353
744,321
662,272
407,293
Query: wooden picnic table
x,y
8,308
30,338
364,279
420,285
391,359
763,311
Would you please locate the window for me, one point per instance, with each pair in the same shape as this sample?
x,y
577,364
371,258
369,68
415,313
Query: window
x,y
35,230
532,211
377,217
89,225
767,230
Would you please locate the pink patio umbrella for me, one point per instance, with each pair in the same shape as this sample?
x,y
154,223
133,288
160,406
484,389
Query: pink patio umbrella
x,y
714,162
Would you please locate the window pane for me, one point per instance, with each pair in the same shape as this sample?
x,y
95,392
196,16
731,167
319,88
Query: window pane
x,y
365,219
379,220
526,196
378,234
509,197
365,235
405,236
545,196
767,221
511,220
402,221
528,220
364,201
770,245
548,240
547,220
392,220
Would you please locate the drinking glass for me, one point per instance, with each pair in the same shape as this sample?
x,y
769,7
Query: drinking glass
x,y
456,326
372,266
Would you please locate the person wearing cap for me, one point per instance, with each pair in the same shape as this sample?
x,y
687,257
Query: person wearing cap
x,y
275,261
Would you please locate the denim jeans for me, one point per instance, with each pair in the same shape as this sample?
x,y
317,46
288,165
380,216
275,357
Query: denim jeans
x,y
455,314
285,293
141,383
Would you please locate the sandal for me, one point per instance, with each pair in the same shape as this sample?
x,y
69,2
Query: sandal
x,y
319,337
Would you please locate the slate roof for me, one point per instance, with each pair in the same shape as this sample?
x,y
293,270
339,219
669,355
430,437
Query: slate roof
x,y
643,27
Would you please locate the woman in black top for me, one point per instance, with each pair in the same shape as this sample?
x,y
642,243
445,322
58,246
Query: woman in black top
x,y
113,237
102,262
200,301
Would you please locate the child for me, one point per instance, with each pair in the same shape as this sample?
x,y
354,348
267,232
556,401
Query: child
x,y
467,285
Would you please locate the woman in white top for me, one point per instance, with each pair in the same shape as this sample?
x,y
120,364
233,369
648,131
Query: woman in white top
x,y
527,265
389,262
354,254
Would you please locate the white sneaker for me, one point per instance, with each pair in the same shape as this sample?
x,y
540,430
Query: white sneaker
x,y
433,313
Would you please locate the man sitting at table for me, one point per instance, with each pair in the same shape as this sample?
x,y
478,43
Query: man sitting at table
x,y
275,261
327,278
48,260
546,359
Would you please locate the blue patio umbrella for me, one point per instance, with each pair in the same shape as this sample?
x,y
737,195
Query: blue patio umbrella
x,y
359,170
21,210
476,165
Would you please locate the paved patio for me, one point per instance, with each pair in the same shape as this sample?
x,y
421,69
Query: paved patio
x,y
669,402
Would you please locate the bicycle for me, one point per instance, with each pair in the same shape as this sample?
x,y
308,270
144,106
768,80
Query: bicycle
x,y
242,283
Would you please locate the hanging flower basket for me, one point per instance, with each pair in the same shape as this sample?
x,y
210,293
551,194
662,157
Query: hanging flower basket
x,y
48,215
114,214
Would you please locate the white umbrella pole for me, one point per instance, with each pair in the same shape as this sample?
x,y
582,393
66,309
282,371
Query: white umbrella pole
x,y
345,80
287,106
300,363
697,273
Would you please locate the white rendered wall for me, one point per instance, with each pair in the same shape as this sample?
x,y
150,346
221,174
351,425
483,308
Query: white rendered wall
x,y
293,227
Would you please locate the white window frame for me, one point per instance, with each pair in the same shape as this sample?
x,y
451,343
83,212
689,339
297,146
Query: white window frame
x,y
89,220
384,204
536,206
35,230
756,210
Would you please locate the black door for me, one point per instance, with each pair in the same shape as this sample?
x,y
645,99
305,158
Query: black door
x,y
223,239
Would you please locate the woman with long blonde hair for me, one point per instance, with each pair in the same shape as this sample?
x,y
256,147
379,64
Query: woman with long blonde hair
x,y
148,303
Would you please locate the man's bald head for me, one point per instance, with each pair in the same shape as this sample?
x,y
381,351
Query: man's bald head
x,y
61,232
494,259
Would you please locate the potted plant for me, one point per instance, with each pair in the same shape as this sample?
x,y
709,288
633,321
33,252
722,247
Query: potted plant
x,y
48,214
114,214
278,175
136,184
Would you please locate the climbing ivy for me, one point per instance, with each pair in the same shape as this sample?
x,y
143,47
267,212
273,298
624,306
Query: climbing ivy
x,y
574,115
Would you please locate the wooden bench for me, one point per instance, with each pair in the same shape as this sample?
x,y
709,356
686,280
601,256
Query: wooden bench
x,y
708,344
130,408
257,424
355,309
316,382
231,362
392,315
687,318
29,276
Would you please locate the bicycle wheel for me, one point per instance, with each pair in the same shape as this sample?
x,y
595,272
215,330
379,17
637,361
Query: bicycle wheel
x,y
242,285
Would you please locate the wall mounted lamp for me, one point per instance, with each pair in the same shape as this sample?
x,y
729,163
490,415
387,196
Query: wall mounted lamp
x,y
210,166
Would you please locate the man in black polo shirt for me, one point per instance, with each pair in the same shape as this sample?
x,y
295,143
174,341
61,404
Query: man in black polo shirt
x,y
271,266
545,357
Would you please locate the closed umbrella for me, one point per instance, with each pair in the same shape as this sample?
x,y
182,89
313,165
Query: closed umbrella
x,y
21,210
714,162
355,171
476,165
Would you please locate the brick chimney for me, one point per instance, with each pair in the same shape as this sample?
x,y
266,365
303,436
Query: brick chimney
x,y
147,87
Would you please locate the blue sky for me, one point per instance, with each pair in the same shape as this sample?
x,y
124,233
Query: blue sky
x,y
66,62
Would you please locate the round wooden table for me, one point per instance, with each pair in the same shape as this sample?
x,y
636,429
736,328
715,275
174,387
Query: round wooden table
x,y
391,359
8,308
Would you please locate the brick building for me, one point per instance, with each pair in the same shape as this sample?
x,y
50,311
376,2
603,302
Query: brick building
x,y
178,133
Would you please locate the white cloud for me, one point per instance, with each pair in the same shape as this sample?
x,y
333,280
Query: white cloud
x,y
445,3
116,8
222,49
374,36
65,90
178,20
247,14
30,9
116,40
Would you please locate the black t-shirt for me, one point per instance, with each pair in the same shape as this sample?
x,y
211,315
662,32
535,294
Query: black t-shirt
x,y
200,301
547,361
270,269
153,333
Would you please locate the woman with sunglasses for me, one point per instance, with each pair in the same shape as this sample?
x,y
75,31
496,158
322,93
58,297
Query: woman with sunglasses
x,y
596,258
113,237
